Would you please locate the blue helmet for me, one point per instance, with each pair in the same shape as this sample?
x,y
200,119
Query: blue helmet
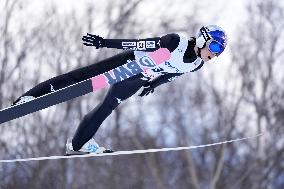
x,y
213,37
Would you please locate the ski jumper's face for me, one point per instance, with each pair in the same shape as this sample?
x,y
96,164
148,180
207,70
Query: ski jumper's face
x,y
206,54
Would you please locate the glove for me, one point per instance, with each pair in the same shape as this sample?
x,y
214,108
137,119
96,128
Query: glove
x,y
148,88
93,40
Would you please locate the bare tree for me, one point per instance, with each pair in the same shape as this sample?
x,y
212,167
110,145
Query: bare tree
x,y
258,57
183,113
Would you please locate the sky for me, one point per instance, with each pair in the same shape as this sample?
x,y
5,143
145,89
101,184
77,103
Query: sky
x,y
227,14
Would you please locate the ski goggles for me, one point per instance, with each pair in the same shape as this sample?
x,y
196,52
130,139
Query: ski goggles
x,y
215,47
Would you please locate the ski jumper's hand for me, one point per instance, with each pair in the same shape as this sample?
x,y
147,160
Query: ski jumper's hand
x,y
148,88
93,40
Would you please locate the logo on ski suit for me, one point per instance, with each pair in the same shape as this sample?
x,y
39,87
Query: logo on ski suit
x,y
130,69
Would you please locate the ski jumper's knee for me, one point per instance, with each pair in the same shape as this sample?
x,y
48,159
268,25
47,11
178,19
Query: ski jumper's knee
x,y
102,111
111,103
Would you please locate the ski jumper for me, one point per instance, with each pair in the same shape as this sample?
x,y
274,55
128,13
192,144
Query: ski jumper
x,y
183,59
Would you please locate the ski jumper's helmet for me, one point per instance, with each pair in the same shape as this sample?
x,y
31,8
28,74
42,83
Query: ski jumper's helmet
x,y
213,37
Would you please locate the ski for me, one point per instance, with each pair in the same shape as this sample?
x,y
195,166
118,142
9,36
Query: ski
x,y
131,152
78,153
98,82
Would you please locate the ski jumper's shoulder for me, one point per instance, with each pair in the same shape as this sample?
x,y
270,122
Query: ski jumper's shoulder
x,y
181,46
170,41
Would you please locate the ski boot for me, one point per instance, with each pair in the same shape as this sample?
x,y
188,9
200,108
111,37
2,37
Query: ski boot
x,y
23,99
90,147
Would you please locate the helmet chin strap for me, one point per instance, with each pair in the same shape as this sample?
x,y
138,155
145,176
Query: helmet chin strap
x,y
199,52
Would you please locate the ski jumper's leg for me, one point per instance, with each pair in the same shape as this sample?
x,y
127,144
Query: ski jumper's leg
x,y
78,75
116,94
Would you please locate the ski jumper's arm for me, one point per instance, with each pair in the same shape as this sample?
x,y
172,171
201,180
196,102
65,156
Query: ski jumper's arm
x,y
147,45
164,79
169,41
149,87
